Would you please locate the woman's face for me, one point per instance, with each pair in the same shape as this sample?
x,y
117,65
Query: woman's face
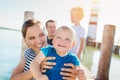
x,y
35,38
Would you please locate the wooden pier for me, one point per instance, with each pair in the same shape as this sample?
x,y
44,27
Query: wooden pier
x,y
94,43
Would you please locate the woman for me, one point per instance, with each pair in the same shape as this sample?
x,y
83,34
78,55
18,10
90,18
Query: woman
x,y
35,39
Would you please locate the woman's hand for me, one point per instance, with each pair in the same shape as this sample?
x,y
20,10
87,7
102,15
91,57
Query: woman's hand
x,y
69,73
47,65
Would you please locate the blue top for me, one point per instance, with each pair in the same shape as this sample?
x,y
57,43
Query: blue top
x,y
54,73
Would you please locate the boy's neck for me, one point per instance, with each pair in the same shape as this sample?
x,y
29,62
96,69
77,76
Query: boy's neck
x,y
62,54
76,24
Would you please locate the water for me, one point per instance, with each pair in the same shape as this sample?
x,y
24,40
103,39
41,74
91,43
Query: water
x,y
91,59
10,51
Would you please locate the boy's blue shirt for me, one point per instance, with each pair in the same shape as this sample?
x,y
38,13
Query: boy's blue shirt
x,y
54,73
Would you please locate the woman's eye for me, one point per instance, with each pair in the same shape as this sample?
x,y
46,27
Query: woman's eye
x,y
41,34
31,38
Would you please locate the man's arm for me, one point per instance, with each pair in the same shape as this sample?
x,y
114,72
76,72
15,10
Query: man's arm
x,y
18,73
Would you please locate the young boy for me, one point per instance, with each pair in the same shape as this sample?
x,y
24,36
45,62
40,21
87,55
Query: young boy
x,y
62,42
77,14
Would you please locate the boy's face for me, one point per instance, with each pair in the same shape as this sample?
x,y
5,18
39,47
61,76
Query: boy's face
x,y
74,18
63,41
35,37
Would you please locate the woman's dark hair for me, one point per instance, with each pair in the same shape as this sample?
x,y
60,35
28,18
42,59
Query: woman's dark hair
x,y
27,24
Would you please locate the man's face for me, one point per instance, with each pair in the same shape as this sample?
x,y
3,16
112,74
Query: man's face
x,y
51,28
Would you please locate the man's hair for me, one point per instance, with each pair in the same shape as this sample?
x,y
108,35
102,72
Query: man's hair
x,y
49,21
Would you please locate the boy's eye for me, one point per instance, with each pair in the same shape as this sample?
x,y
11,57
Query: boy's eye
x,y
67,39
58,38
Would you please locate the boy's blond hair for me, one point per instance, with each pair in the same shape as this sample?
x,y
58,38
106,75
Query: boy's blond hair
x,y
69,29
78,11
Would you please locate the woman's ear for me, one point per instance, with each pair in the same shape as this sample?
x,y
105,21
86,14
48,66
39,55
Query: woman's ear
x,y
25,42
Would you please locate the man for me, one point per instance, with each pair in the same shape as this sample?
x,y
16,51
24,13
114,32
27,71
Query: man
x,y
51,28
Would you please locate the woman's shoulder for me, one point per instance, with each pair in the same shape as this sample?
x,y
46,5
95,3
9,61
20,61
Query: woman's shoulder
x,y
29,51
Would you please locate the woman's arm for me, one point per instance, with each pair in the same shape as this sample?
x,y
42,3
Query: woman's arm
x,y
35,67
18,73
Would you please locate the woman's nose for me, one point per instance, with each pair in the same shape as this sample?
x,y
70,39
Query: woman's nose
x,y
38,40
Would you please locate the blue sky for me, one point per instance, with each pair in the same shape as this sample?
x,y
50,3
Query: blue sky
x,y
12,12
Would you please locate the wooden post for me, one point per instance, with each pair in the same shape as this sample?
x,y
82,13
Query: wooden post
x,y
27,15
106,52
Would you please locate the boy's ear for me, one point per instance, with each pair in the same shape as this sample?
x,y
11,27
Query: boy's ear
x,y
74,42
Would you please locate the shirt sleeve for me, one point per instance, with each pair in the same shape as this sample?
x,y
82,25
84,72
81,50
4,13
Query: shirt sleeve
x,y
27,52
45,50
76,61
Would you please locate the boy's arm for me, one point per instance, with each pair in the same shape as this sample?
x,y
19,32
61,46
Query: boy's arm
x,y
82,40
35,69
